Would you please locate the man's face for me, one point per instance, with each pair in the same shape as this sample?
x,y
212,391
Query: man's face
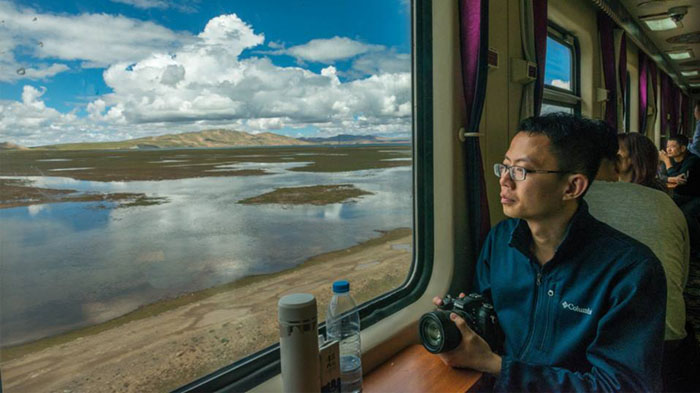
x,y
539,196
673,149
697,112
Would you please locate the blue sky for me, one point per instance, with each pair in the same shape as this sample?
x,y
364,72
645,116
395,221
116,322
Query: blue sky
x,y
558,70
116,69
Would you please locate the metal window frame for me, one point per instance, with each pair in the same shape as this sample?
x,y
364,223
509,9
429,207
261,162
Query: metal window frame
x,y
558,96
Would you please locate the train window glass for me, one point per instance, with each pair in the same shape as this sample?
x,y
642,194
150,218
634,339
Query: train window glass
x,y
561,79
558,68
551,108
175,167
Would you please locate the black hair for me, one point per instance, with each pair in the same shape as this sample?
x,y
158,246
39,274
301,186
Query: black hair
x,y
680,139
607,140
574,141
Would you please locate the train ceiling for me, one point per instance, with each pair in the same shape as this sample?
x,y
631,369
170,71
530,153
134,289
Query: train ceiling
x,y
676,46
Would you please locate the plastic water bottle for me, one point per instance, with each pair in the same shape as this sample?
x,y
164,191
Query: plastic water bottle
x,y
343,324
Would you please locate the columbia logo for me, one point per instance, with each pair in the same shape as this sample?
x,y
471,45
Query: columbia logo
x,y
573,307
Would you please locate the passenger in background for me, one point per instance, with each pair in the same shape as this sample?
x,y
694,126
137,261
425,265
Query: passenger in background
x,y
683,169
694,146
638,160
647,214
581,304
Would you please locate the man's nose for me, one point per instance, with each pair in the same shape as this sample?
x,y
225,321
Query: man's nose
x,y
505,180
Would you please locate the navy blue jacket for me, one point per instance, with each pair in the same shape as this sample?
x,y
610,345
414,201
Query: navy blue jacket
x,y
591,319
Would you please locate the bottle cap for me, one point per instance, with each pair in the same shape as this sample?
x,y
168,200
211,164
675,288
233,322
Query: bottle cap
x,y
297,307
341,286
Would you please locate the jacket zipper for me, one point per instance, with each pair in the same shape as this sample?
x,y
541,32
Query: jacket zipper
x,y
533,326
547,322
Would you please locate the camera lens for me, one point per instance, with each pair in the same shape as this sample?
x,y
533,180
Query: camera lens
x,y
433,333
437,332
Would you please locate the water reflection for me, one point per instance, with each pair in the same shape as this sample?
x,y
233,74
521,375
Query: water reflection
x,y
71,264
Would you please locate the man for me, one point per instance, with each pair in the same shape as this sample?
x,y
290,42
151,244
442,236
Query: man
x,y
694,146
681,167
651,217
582,305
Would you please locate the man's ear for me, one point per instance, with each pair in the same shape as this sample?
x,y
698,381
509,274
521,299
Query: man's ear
x,y
575,186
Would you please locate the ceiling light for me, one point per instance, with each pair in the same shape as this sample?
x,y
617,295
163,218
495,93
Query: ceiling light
x,y
697,84
680,54
690,73
659,22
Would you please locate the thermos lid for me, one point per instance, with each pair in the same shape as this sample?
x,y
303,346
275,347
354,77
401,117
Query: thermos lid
x,y
341,286
297,307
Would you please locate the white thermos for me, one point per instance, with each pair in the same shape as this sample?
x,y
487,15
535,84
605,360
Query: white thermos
x,y
299,343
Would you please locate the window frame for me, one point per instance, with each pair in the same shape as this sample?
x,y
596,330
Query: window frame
x,y
556,95
248,372
628,97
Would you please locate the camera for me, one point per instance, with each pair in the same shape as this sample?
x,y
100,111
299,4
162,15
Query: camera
x,y
439,334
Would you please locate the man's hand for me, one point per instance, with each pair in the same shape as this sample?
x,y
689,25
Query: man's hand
x,y
680,179
663,157
473,352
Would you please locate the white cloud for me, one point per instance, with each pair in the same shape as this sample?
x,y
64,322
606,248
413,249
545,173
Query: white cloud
x,y
329,50
83,37
144,4
12,71
206,84
383,62
561,83
183,6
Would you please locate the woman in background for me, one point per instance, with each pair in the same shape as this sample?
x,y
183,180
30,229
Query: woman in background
x,y
639,161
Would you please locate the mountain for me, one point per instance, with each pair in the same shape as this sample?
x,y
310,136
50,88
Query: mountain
x,y
11,146
207,138
345,139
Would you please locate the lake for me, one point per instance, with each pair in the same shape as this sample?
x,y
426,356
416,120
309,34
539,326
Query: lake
x,y
68,265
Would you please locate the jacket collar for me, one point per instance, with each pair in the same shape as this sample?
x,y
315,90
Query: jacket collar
x,y
576,230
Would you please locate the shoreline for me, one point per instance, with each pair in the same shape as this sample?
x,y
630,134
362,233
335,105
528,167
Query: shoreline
x,y
176,341
13,352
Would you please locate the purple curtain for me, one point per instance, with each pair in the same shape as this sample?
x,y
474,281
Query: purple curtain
x,y
685,109
607,48
473,23
669,106
674,107
653,73
643,92
622,72
539,11
665,103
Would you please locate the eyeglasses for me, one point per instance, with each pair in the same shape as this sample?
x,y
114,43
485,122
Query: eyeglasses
x,y
518,173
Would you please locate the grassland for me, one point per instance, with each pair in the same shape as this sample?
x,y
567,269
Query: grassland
x,y
20,192
164,164
310,195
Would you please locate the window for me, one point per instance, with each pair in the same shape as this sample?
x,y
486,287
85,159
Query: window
x,y
168,181
561,78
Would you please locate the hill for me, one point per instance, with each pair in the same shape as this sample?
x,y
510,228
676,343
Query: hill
x,y
11,146
346,139
207,138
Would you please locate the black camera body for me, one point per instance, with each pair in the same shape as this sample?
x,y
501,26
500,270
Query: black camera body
x,y
439,334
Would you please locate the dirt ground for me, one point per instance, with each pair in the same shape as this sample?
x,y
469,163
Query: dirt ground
x,y
165,351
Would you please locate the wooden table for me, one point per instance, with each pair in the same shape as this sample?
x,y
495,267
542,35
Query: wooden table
x,y
414,369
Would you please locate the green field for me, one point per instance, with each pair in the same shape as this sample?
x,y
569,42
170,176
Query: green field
x,y
165,164
162,164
